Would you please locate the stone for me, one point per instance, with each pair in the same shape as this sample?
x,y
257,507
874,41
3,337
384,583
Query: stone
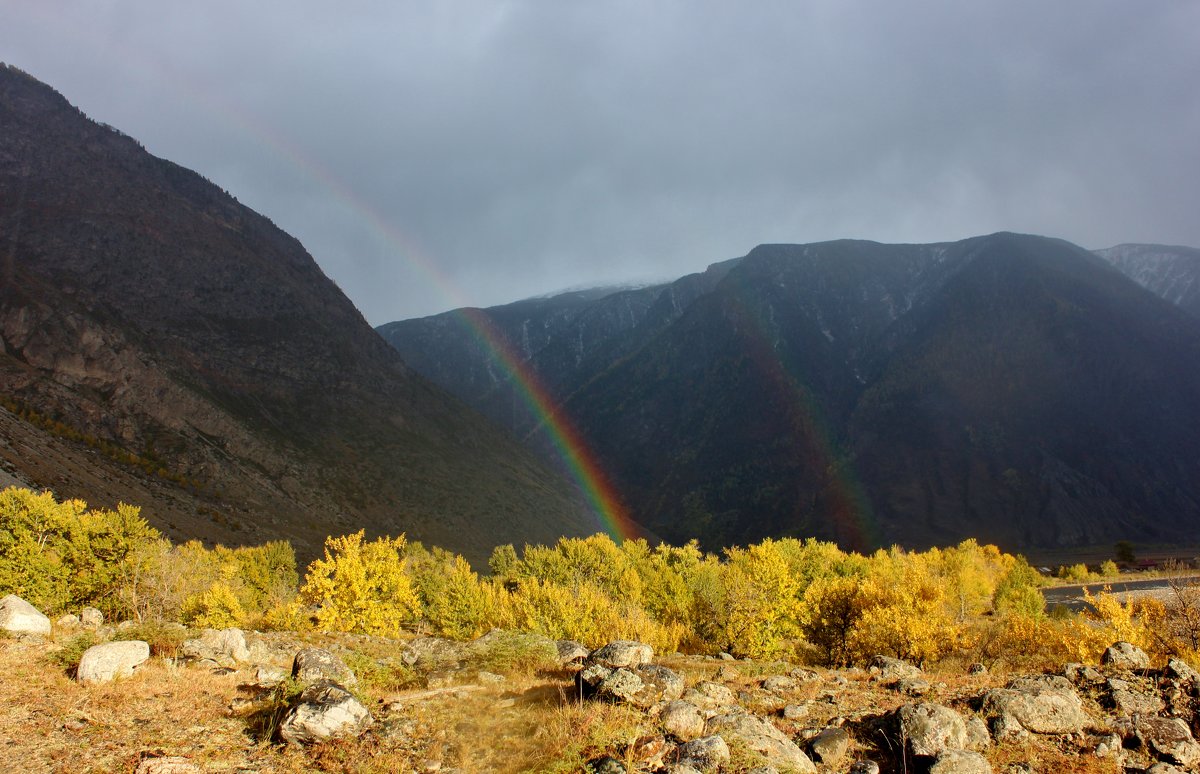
x,y
863,767
889,670
831,745
1170,738
269,676
68,621
1164,768
619,685
490,678
220,648
605,765
1129,702
171,764
659,684
91,618
570,653
978,738
797,711
707,753
433,653
709,695
1038,705
317,664
913,686
323,711
650,751
622,654
960,762
19,617
977,669
1126,656
779,684
1181,670
1081,674
681,768
726,656
930,729
727,674
682,720
762,737
110,660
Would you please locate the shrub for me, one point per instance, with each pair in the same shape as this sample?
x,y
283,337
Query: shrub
x,y
361,587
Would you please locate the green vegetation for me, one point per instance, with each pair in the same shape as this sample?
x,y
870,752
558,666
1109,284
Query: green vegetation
x,y
788,598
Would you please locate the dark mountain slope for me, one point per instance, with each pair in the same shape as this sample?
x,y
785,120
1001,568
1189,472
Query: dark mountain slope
x,y
145,308
1172,273
1010,387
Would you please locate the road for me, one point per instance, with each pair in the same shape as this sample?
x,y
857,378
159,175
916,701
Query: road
x,y
1071,597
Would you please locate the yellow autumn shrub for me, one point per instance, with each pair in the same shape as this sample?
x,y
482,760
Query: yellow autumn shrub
x,y
361,586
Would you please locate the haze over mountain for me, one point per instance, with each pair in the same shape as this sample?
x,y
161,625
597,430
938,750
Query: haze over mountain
x,y
166,346
1170,272
1008,387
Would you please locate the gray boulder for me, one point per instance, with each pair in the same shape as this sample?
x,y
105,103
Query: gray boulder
x,y
779,684
432,653
709,695
864,767
313,665
220,648
1126,656
831,745
324,711
889,670
707,753
930,729
1182,671
960,762
110,660
682,720
19,617
762,737
67,622
1041,705
91,618
1170,738
570,653
622,654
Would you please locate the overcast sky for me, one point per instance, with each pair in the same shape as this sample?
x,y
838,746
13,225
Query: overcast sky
x,y
441,153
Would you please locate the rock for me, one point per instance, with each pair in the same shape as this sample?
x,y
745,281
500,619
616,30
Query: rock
x,y
171,764
316,664
1164,768
605,765
726,656
269,676
682,720
622,654
490,678
1170,738
1039,705
570,653
779,684
710,695
864,767
977,669
1181,670
220,648
650,751
705,754
68,621
659,684
91,618
19,617
762,737
681,768
619,685
125,626
797,711
1126,656
324,710
110,660
727,674
433,653
960,762
913,686
889,670
931,728
978,738
830,746
1129,702
1081,674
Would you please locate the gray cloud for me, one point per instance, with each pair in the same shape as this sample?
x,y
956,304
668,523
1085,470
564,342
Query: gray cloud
x,y
435,154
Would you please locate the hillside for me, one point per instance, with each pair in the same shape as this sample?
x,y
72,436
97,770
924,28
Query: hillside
x,y
1170,272
1010,387
164,344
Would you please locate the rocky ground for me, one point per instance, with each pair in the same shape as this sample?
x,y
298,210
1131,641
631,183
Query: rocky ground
x,y
80,696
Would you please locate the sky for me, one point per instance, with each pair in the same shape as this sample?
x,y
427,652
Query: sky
x,y
447,153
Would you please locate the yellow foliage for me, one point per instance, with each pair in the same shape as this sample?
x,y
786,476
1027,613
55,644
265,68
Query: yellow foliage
x,y
762,599
216,608
361,587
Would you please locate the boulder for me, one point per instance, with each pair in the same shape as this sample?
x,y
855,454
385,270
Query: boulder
x,y
960,762
619,685
864,767
978,738
432,653
1170,738
929,729
642,686
171,764
1126,656
110,660
889,670
268,676
1128,701
313,665
606,764
324,710
67,622
1164,768
762,737
570,653
1182,671
91,618
1041,705
622,654
682,720
220,648
707,753
779,684
19,617
659,684
831,745
710,695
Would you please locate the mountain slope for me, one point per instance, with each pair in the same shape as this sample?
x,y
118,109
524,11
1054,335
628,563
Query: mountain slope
x,y
144,312
1009,387
1172,273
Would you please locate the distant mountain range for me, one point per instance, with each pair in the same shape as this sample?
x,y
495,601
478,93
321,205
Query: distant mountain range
x,y
166,346
1012,388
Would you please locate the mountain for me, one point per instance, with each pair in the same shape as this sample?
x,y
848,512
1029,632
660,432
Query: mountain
x,y
1172,273
164,345
1008,387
